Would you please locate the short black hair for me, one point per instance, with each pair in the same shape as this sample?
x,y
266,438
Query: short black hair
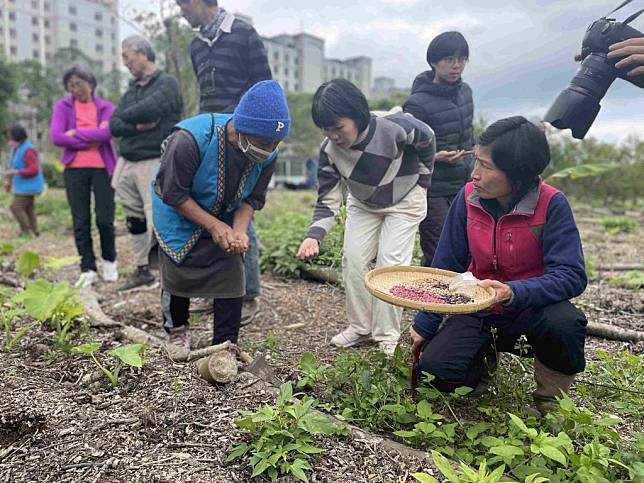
x,y
81,71
446,45
210,3
519,148
17,133
340,98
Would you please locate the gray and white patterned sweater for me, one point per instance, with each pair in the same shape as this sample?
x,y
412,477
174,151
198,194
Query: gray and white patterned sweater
x,y
393,155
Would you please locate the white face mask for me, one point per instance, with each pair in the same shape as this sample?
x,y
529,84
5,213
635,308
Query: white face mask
x,y
252,152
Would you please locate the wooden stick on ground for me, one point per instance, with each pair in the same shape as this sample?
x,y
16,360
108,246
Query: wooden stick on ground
x,y
614,333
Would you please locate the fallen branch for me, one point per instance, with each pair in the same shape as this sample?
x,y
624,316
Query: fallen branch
x,y
621,268
139,336
207,351
10,281
93,311
321,274
612,332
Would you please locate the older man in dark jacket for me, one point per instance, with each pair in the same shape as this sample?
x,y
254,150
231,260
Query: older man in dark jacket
x,y
145,116
443,101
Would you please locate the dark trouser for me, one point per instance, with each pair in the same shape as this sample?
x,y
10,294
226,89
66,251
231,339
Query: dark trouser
x,y
430,228
227,315
79,183
24,211
457,354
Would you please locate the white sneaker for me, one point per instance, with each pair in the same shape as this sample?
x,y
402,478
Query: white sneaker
x,y
86,279
108,271
387,347
348,338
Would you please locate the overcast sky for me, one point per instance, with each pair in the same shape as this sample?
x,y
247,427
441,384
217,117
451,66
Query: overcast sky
x,y
521,52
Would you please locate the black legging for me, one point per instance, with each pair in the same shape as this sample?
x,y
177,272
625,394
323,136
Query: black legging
x,y
227,315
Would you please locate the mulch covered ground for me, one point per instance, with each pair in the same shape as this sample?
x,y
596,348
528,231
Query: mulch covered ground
x,y
164,423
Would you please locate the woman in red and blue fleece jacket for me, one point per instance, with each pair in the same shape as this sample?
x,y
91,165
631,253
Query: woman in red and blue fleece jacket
x,y
518,235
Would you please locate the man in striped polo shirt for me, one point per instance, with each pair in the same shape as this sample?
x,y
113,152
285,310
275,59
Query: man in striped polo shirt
x,y
228,57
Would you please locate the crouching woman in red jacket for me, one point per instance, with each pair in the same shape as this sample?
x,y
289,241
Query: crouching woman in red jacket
x,y
518,235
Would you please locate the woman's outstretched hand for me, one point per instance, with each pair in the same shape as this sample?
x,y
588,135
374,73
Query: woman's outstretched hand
x,y
309,248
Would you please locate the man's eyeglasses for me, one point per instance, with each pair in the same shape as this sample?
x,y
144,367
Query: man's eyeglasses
x,y
453,60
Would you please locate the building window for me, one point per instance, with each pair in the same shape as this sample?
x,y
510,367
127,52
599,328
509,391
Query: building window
x,y
46,6
12,16
47,40
99,33
276,70
34,4
286,71
73,27
13,50
99,48
73,43
72,9
12,33
47,56
35,37
276,56
113,35
286,58
34,21
47,24
286,85
36,54
98,16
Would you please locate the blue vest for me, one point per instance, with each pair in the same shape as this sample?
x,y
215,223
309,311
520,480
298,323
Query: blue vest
x,y
176,234
23,185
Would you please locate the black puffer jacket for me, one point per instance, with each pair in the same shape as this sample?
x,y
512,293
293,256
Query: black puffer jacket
x,y
449,110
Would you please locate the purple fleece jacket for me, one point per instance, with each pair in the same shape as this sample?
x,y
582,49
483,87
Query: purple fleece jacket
x,y
64,118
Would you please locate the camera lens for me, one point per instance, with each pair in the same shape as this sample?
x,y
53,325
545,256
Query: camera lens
x,y
577,106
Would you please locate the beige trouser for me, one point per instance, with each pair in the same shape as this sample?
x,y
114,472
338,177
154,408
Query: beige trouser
x,y
24,211
386,234
132,184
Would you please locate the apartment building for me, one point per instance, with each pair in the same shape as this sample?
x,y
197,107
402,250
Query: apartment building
x,y
37,29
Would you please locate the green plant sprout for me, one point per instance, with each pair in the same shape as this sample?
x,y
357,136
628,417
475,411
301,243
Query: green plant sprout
x,y
125,355
283,436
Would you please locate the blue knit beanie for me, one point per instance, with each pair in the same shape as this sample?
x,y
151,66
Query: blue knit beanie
x,y
263,112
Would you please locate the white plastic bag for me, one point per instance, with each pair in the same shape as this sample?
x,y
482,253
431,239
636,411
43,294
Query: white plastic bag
x,y
464,283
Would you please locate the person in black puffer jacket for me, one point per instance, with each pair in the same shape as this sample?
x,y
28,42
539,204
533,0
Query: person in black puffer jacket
x,y
442,100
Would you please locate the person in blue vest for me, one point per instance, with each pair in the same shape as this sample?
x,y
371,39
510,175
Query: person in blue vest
x,y
24,179
213,175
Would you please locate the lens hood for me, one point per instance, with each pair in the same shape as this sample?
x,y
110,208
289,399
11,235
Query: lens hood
x,y
573,110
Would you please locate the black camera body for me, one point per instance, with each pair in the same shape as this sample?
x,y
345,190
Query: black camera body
x,y
577,106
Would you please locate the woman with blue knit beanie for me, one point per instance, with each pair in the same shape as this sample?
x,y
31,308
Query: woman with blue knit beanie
x,y
213,175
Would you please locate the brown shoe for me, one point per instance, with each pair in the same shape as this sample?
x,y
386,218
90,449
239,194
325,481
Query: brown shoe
x,y
550,385
179,337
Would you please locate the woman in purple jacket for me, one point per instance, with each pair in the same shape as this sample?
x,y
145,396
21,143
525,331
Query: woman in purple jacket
x,y
80,125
